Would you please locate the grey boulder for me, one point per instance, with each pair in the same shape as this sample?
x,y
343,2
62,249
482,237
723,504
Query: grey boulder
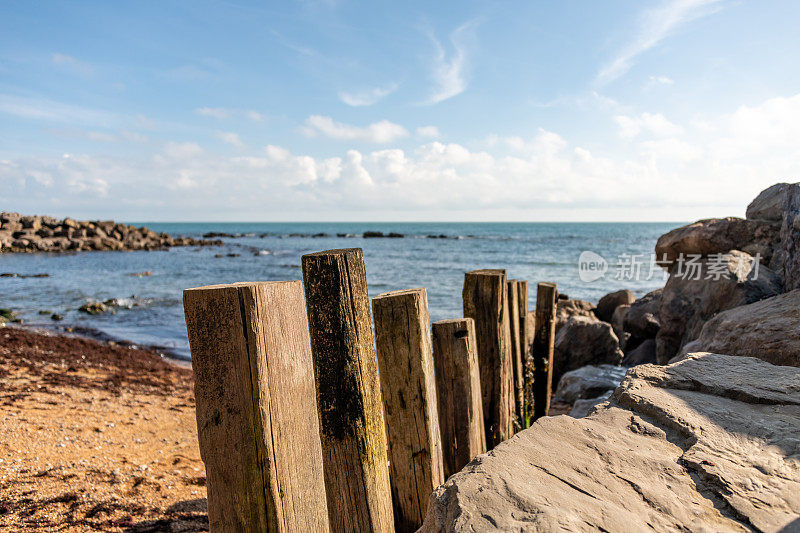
x,y
584,341
689,300
588,382
768,329
609,303
768,205
710,444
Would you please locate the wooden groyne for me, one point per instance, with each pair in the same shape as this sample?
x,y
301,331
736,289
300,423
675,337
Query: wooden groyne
x,y
307,423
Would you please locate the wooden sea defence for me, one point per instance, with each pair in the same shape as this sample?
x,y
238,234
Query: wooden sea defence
x,y
546,296
408,387
351,421
458,392
485,301
512,299
253,382
306,424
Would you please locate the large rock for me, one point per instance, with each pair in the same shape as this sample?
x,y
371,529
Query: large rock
x,y
787,255
642,317
769,330
643,354
689,299
708,444
768,205
719,235
584,341
588,382
582,408
609,303
566,309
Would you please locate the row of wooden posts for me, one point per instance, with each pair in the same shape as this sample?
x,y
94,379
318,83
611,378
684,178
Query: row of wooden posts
x,y
306,424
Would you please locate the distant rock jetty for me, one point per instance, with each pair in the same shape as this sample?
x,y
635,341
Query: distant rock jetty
x,y
20,233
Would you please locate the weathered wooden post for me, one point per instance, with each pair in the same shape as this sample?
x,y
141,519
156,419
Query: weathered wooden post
x,y
484,298
351,419
530,366
253,382
408,387
524,350
546,295
512,300
458,390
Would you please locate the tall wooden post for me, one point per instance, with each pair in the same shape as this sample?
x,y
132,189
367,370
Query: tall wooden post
x,y
484,298
458,390
512,300
524,351
351,419
408,387
253,383
546,295
530,367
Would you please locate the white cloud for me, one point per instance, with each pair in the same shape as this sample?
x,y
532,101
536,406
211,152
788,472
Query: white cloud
x,y
449,70
652,123
49,110
215,112
231,138
654,26
223,113
378,132
368,97
661,80
690,173
428,132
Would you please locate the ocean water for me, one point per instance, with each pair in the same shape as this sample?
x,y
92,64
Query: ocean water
x,y
151,311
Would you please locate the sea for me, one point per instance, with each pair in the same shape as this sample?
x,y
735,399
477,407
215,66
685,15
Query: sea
x,y
148,309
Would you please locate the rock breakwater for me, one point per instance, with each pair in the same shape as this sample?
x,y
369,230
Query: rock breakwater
x,y
20,233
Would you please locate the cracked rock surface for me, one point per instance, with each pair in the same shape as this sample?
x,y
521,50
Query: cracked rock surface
x,y
711,443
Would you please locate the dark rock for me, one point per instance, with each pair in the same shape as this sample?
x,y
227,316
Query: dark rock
x,y
584,341
588,382
609,302
642,317
768,205
94,308
643,354
583,408
372,234
566,309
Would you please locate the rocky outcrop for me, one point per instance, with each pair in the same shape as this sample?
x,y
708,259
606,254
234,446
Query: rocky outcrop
x,y
690,298
609,303
768,205
46,234
769,330
566,309
584,341
588,382
707,444
719,235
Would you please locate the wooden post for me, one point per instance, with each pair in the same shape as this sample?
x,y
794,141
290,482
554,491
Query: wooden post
x,y
408,387
546,295
512,300
351,419
253,383
530,367
484,298
458,389
524,350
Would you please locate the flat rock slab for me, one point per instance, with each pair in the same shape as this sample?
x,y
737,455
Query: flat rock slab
x,y
711,443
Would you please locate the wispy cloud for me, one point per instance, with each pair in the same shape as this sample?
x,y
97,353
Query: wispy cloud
x,y
45,109
367,97
231,138
653,123
655,26
223,113
428,132
71,63
661,80
449,71
378,132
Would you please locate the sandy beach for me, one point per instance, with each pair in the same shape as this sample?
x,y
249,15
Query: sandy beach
x,y
96,437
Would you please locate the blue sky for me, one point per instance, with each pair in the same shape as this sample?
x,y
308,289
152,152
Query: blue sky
x,y
343,110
